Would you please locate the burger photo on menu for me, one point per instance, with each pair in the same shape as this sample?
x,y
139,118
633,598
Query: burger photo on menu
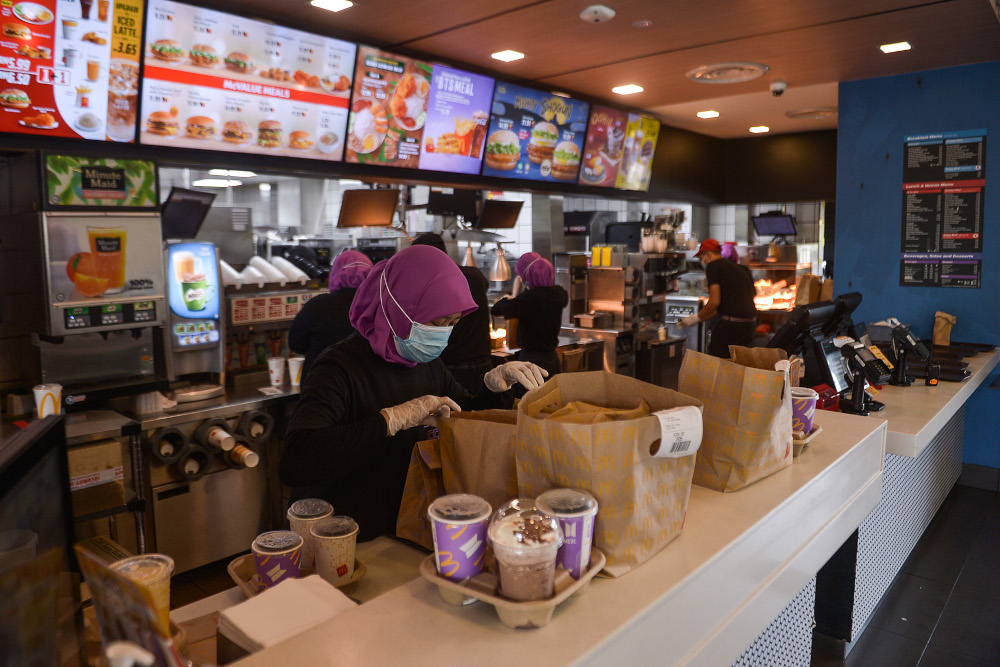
x,y
200,127
236,132
166,49
17,31
240,62
543,142
503,150
203,55
565,161
269,134
14,98
163,123
300,140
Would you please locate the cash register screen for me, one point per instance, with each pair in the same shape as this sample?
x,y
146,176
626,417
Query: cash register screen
x,y
835,362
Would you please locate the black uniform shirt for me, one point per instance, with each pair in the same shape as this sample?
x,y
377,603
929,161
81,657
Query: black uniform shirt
x,y
470,339
323,321
539,315
736,285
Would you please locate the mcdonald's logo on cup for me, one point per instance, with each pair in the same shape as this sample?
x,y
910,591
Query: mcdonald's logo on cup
x,y
48,399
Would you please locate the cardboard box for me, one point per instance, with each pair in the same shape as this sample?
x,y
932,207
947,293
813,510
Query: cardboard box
x,y
96,476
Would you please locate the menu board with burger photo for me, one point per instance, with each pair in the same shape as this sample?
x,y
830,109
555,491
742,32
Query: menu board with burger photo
x,y
222,82
70,68
389,110
534,135
637,157
457,117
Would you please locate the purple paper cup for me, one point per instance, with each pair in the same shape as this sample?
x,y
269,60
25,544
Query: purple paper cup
x,y
576,511
277,555
803,409
459,524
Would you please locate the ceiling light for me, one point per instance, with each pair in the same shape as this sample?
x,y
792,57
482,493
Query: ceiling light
x,y
231,172
264,187
728,72
708,114
350,183
507,56
216,183
815,113
628,89
558,94
758,129
894,47
332,5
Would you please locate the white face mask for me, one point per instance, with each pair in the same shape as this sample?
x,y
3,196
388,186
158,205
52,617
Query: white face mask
x,y
425,342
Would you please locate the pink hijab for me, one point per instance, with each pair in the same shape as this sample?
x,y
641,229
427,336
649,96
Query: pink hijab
x,y
420,280
348,270
534,270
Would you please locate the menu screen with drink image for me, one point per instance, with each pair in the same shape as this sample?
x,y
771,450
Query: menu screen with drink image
x,y
110,258
70,68
637,159
227,83
389,110
605,145
194,292
534,135
457,116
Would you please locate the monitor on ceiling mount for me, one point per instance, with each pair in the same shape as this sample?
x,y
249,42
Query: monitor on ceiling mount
x,y
183,212
499,214
774,224
368,208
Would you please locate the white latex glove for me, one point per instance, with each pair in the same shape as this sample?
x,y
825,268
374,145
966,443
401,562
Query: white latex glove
x,y
423,410
526,373
689,321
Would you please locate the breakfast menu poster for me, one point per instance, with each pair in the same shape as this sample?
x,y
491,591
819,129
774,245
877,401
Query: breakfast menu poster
x,y
389,110
605,145
222,82
69,68
457,118
534,135
637,159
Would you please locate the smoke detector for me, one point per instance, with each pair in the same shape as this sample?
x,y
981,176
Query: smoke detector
x,y
597,14
728,72
815,113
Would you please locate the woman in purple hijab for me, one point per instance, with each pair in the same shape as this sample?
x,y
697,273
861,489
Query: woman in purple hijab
x,y
370,398
324,320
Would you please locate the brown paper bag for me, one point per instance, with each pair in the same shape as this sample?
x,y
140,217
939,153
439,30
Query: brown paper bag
x,y
826,290
642,498
943,322
748,420
477,454
423,485
807,289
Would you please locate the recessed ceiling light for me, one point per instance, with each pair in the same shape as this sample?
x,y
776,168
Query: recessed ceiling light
x,y
728,72
894,47
627,89
507,56
558,94
264,187
708,114
643,23
231,172
215,183
332,5
758,129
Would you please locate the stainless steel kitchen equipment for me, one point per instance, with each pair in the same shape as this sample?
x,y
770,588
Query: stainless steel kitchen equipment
x,y
571,275
679,306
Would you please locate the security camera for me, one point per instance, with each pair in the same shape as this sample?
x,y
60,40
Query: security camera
x,y
597,14
778,88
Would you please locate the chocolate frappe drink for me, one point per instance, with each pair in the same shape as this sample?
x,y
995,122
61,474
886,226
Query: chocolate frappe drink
x,y
525,541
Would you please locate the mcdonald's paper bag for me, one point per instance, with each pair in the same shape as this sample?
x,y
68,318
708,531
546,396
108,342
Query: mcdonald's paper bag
x,y
477,454
748,420
423,486
641,485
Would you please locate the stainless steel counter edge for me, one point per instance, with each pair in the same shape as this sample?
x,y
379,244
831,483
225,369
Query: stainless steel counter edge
x,y
233,402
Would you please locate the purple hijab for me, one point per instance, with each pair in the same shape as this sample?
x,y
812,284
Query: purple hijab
x,y
421,280
349,269
729,252
535,270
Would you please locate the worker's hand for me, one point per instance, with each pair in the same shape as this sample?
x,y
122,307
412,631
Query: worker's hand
x,y
501,378
423,410
689,321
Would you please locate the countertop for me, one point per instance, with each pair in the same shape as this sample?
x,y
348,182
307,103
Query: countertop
x,y
234,401
764,542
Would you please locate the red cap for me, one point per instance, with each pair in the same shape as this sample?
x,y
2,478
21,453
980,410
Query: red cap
x,y
708,245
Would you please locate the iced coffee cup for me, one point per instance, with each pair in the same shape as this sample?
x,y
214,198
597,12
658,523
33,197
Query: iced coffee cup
x,y
301,516
525,541
334,541
295,370
276,369
576,511
459,523
277,555
152,572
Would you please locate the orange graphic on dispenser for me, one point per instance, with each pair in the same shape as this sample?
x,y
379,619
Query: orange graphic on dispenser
x,y
107,248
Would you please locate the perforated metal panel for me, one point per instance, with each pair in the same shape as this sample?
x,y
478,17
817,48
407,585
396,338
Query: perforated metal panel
x,y
912,494
788,640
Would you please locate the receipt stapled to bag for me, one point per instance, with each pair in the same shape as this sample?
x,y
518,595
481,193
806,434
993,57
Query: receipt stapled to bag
x,y
681,431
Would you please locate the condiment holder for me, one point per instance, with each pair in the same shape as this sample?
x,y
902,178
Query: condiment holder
x,y
800,440
244,574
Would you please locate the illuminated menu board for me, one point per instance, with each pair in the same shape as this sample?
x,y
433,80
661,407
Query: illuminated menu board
x,y
534,135
457,117
637,159
389,110
604,148
223,82
69,68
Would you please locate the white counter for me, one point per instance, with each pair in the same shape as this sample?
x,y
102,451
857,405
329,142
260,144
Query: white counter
x,y
741,558
917,413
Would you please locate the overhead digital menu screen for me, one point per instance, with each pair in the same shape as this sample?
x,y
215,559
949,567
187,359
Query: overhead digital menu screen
x,y
637,160
69,68
457,117
223,82
605,145
389,110
534,135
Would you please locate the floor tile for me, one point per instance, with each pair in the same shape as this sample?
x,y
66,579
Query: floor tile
x,y
885,649
970,625
980,477
983,561
911,607
941,552
936,657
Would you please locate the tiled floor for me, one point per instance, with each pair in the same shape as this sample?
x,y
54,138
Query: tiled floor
x,y
943,609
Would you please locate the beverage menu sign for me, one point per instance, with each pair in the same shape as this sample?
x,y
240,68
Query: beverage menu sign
x,y
637,159
604,148
223,82
106,182
944,183
69,68
534,135
457,117
389,110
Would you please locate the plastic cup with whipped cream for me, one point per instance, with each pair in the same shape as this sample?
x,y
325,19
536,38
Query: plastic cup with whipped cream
x,y
525,541
576,511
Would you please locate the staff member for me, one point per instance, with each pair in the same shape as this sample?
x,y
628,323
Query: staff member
x,y
324,319
538,311
367,398
468,353
730,295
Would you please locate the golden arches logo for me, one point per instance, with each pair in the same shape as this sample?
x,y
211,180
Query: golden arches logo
x,y
629,460
581,463
630,509
608,488
50,398
605,463
562,481
611,538
559,457
629,484
446,561
630,433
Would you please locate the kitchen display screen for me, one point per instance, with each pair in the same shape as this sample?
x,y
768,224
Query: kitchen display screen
x,y
457,118
70,68
193,277
534,135
227,83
